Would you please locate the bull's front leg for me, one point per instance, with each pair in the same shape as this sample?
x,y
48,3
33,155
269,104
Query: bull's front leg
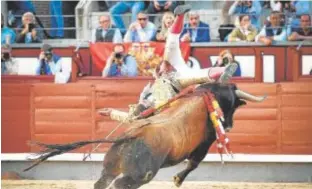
x,y
195,158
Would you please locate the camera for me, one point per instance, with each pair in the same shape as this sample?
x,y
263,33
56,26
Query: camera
x,y
30,27
225,61
6,56
48,55
118,56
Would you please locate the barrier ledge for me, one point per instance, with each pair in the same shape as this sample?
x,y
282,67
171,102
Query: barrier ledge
x,y
247,158
85,44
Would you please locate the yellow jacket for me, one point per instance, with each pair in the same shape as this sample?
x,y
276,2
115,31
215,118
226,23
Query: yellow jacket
x,y
238,35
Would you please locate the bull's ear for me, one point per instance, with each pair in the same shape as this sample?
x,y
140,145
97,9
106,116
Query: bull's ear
x,y
241,103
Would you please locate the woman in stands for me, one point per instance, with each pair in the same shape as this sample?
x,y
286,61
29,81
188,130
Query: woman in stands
x,y
166,23
244,32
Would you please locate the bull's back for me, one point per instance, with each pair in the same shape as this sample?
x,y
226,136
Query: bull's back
x,y
182,131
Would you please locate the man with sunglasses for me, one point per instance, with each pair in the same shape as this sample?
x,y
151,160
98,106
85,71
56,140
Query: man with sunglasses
x,y
141,30
106,32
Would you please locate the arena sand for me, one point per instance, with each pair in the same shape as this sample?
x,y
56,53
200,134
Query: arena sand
x,y
68,184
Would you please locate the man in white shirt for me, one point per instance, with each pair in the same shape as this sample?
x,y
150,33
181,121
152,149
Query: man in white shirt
x,y
52,64
273,31
141,30
106,32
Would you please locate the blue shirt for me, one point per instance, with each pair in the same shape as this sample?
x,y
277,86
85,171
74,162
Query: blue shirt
x,y
7,31
143,35
50,68
128,68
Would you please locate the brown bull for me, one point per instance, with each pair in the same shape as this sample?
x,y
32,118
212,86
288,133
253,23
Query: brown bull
x,y
183,131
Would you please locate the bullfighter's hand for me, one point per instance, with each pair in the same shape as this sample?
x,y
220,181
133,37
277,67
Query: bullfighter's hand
x,y
105,111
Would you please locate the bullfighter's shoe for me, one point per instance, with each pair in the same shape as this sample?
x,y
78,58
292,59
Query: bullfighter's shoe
x,y
179,12
229,71
182,9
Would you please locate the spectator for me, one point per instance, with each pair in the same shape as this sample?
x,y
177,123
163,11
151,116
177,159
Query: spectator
x,y
52,64
283,7
167,21
195,30
157,6
106,32
245,32
299,7
30,33
57,20
273,31
7,35
226,57
250,7
303,33
120,64
141,30
122,7
18,8
8,63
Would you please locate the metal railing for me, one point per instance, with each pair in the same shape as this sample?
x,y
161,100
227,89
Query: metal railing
x,y
92,22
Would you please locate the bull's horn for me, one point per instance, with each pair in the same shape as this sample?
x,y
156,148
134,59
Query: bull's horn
x,y
249,97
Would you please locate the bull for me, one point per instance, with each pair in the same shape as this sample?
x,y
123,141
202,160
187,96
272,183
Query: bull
x,y
183,131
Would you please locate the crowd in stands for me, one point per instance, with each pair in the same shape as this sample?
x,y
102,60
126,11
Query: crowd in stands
x,y
284,21
288,20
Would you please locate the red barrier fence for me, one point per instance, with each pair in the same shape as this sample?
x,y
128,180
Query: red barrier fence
x,y
64,113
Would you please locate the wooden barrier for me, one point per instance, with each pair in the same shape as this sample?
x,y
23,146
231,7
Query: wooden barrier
x,y
66,113
287,59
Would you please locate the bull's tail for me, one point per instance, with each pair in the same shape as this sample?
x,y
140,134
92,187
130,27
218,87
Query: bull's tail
x,y
51,150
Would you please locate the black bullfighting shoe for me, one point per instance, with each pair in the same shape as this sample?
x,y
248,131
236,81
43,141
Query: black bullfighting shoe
x,y
182,9
229,71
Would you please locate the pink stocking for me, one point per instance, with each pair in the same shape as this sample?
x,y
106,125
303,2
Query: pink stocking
x,y
177,25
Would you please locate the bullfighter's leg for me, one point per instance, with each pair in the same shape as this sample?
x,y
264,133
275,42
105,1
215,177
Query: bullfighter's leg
x,y
195,158
172,52
174,56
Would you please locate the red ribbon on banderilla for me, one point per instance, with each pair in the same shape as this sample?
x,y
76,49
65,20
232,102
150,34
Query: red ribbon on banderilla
x,y
216,116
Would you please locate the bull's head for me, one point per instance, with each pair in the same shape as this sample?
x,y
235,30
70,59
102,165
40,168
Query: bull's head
x,y
230,98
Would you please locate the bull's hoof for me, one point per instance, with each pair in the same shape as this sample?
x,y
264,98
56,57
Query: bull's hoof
x,y
177,181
